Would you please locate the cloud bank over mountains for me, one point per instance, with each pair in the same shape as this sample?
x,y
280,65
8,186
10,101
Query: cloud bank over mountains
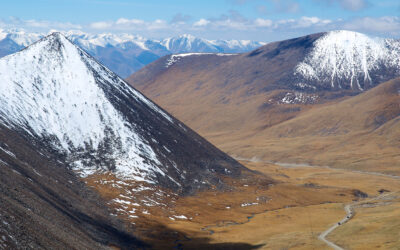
x,y
260,20
230,26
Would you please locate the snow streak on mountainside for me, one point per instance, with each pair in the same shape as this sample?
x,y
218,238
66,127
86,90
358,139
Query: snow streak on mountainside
x,y
126,53
349,60
54,92
176,57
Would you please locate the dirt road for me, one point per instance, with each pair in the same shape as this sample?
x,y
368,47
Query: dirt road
x,y
349,208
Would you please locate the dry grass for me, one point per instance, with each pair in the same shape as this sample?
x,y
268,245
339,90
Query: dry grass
x,y
290,215
359,132
375,226
354,133
238,112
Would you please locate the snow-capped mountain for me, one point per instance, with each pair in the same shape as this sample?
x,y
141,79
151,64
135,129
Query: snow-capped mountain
x,y
188,43
126,53
58,95
304,70
236,46
349,60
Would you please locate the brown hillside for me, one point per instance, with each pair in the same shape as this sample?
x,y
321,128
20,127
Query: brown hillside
x,y
360,132
238,108
236,87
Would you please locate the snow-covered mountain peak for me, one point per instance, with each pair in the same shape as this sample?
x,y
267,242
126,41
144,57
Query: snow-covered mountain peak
x,y
347,59
57,95
54,91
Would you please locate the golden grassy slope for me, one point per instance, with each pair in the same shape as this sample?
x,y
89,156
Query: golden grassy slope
x,y
376,226
359,132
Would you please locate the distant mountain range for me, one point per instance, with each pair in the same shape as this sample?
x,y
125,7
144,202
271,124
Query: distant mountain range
x,y
125,53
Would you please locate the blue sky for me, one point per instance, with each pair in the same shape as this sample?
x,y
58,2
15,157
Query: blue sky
x,y
263,20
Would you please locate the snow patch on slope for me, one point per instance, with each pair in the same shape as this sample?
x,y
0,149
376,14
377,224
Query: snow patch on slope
x,y
344,56
299,98
176,57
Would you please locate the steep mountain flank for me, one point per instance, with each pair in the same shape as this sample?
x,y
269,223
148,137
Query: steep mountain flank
x,y
56,93
44,205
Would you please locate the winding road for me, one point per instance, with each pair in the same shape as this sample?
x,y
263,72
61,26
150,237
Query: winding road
x,y
349,208
349,214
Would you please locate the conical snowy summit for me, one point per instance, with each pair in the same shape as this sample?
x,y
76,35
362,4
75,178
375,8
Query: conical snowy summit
x,y
72,106
348,60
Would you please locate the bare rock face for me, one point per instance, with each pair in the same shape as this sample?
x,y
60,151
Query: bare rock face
x,y
44,205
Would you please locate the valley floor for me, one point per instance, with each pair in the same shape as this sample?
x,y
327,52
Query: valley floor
x,y
290,214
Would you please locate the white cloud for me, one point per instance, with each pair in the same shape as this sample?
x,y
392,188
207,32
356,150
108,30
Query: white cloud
x,y
231,26
305,22
124,24
201,22
124,21
158,24
259,22
100,25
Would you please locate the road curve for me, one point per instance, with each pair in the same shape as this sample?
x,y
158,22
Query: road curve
x,y
349,214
